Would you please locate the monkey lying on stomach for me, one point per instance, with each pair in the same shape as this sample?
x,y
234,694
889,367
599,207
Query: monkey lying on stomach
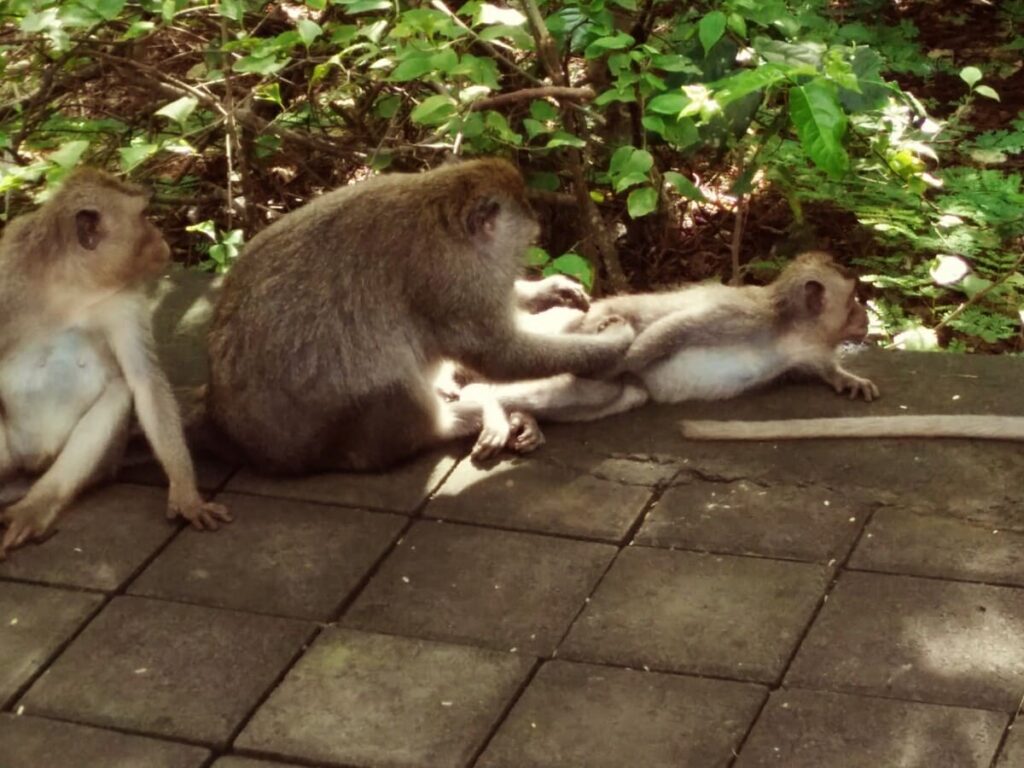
x,y
331,326
76,353
701,342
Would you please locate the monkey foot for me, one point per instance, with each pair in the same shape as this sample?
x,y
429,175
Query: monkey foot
x,y
201,515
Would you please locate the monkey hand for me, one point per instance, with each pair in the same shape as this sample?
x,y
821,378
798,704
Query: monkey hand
x,y
202,515
494,435
554,291
26,521
857,386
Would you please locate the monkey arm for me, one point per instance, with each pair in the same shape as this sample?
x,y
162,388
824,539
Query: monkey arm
x,y
515,354
700,325
127,324
86,450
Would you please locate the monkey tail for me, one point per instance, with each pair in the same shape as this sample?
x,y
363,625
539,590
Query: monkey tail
x,y
962,426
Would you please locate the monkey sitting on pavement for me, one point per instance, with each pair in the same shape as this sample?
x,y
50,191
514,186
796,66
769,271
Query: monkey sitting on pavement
x,y
76,354
330,328
700,342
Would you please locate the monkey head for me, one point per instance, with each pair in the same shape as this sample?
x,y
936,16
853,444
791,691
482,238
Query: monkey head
x,y
820,296
103,229
493,209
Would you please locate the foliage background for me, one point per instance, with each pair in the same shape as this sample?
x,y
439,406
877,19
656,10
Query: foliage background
x,y
663,141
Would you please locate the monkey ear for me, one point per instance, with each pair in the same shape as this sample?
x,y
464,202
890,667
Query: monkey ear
x,y
482,215
87,224
814,296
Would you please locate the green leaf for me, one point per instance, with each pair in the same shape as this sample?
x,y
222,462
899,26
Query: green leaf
x,y
444,61
107,9
821,125
987,91
534,128
574,265
412,67
433,110
746,81
629,159
642,202
614,42
543,110
565,139
308,31
367,6
232,9
710,29
536,256
806,56
628,180
261,65
136,155
684,186
629,5
738,25
668,104
970,75
69,154
179,110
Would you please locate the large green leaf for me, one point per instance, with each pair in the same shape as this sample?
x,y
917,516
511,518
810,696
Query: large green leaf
x,y
179,110
642,202
309,31
746,81
821,125
711,29
433,110
684,186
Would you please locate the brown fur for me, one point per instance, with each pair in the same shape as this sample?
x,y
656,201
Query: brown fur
x,y
330,327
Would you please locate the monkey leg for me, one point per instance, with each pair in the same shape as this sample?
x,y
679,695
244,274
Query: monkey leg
x,y
562,398
90,449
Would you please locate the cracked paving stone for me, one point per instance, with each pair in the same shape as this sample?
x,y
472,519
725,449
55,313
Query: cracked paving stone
x,y
390,702
168,669
210,473
402,490
537,496
725,616
586,716
802,523
905,541
496,588
34,622
101,541
1013,750
283,557
811,729
31,742
920,639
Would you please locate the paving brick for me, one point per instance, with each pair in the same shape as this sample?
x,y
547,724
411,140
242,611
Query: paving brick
x,y
726,616
101,541
1012,755
34,622
537,496
579,715
388,702
904,541
247,762
804,523
809,729
169,669
494,588
283,557
401,490
31,742
919,639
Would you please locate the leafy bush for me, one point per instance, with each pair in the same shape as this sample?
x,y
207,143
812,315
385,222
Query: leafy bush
x,y
639,119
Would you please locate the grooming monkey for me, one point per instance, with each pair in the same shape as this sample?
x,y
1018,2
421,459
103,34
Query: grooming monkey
x,y
700,342
76,354
330,329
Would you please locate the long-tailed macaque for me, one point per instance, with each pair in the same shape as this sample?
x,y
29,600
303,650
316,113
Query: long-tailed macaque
x,y
701,342
330,328
76,354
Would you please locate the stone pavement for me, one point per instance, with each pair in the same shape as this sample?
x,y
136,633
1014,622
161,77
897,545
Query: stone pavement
x,y
621,598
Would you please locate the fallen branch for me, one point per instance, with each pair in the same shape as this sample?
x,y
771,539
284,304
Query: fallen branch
x,y
569,93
